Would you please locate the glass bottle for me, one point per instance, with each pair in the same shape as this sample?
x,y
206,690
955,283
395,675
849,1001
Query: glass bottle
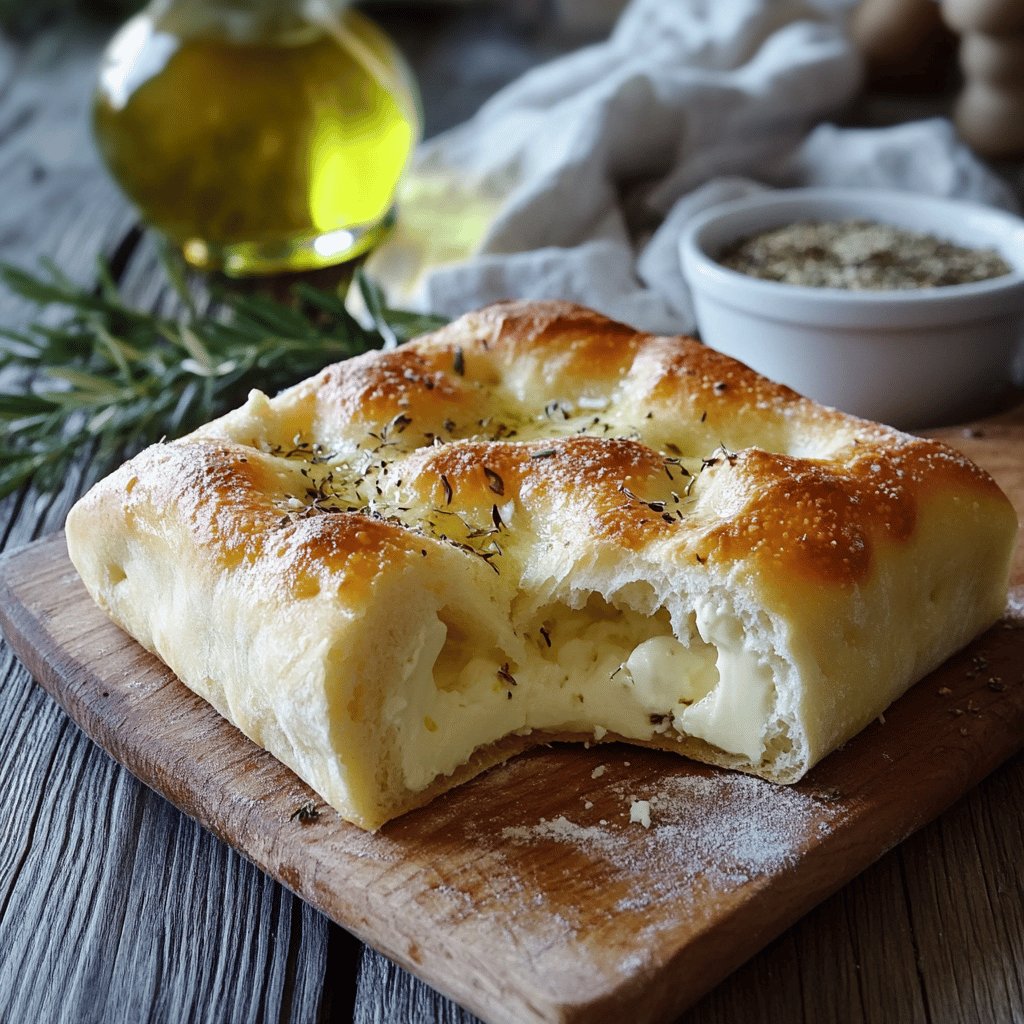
x,y
259,135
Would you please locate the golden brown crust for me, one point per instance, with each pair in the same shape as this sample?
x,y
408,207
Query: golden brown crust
x,y
815,500
229,498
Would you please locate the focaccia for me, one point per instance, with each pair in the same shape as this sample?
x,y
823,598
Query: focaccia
x,y
539,523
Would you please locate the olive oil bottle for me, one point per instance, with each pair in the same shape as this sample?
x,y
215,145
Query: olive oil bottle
x,y
258,135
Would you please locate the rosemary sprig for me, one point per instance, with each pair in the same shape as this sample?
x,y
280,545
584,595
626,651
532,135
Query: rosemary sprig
x,y
120,377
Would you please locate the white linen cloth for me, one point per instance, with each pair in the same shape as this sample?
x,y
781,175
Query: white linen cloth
x,y
576,180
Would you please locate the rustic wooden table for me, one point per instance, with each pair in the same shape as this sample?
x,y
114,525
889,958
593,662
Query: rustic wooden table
x,y
115,907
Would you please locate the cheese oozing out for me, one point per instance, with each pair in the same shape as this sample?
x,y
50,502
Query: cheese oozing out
x,y
594,670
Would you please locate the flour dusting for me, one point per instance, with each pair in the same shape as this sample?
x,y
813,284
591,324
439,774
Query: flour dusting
x,y
562,830
727,827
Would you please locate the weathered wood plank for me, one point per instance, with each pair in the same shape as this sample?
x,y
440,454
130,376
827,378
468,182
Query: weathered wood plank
x,y
882,941
966,887
386,995
58,203
774,975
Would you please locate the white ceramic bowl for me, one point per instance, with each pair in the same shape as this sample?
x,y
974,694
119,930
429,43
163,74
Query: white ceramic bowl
x,y
912,358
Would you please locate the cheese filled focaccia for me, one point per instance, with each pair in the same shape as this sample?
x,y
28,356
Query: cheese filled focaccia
x,y
539,523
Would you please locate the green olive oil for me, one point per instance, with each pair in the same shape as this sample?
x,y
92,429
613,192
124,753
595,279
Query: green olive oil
x,y
275,149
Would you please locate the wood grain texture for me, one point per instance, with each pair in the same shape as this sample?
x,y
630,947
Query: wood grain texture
x,y
527,894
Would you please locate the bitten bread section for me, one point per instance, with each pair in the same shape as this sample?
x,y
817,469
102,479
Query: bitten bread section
x,y
537,523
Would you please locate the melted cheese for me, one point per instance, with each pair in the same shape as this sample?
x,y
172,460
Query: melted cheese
x,y
607,670
732,715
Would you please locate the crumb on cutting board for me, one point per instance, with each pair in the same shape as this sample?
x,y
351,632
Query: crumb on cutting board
x,y
640,811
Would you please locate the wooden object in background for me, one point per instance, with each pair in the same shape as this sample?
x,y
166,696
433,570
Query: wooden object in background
x,y
907,48
989,113
904,43
528,894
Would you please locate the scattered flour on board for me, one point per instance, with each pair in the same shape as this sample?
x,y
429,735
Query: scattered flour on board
x,y
731,828
562,830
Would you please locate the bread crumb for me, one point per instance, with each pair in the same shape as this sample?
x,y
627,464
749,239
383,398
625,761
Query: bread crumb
x,y
598,772
588,804
600,732
640,810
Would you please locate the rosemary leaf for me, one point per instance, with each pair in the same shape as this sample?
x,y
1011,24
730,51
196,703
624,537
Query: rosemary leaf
x,y
120,378
394,325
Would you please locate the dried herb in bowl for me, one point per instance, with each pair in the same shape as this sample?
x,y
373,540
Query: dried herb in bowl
x,y
860,255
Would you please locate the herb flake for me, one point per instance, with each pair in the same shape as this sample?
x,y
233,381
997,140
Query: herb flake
x,y
494,481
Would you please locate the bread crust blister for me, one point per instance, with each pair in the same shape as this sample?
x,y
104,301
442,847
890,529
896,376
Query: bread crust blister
x,y
537,522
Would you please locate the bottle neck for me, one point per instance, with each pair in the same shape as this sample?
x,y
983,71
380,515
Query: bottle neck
x,y
244,21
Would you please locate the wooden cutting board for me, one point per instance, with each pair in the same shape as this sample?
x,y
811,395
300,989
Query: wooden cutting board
x,y
527,894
